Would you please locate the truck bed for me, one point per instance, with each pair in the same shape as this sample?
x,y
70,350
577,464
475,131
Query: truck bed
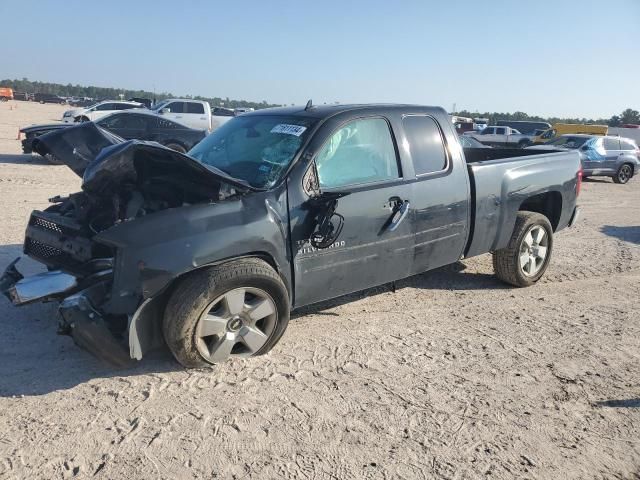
x,y
505,181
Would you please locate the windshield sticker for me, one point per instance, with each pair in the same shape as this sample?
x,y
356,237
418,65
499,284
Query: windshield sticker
x,y
296,130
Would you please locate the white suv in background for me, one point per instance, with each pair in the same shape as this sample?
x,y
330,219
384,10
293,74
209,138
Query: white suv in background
x,y
99,110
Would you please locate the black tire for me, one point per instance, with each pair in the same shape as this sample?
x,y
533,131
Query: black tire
x,y
624,174
176,147
83,119
524,143
506,261
198,289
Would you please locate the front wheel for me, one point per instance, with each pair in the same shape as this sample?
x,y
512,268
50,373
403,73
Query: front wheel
x,y
238,309
624,173
525,259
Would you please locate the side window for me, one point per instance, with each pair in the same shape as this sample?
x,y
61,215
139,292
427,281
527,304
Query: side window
x,y
425,143
176,107
126,121
104,107
488,131
164,124
611,144
223,112
361,151
195,108
501,131
627,145
124,106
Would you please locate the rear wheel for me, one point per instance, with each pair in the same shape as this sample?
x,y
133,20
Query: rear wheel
x,y
624,173
239,309
525,259
524,143
176,147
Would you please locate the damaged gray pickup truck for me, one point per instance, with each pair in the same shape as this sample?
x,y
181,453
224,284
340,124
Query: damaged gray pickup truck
x,y
208,252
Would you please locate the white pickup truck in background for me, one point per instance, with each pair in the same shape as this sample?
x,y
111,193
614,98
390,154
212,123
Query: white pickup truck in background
x,y
193,113
496,136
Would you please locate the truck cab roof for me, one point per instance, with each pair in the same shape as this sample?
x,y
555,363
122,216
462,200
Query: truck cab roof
x,y
327,111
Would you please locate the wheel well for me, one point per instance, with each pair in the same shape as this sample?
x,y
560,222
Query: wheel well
x,y
548,204
631,165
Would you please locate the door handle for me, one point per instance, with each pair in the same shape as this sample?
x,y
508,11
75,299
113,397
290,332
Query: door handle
x,y
400,213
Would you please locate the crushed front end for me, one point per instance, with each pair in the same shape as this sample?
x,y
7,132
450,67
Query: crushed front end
x,y
79,276
93,243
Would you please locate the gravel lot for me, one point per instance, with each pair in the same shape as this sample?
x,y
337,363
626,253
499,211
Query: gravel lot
x,y
453,376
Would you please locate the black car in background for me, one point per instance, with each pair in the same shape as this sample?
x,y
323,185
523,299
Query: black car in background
x,y
130,125
48,98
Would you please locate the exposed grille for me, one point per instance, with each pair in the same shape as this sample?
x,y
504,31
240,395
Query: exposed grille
x,y
40,250
42,223
56,241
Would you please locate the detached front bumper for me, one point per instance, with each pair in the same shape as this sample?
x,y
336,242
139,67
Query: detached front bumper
x,y
42,287
78,316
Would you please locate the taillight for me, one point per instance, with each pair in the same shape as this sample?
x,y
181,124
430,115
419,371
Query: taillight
x,y
579,182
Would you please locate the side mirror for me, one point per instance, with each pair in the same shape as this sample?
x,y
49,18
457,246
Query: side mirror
x,y
165,110
585,148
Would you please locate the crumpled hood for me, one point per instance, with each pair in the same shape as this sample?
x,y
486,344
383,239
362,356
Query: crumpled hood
x,y
104,159
49,127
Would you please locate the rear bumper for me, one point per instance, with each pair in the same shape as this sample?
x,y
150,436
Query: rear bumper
x,y
575,216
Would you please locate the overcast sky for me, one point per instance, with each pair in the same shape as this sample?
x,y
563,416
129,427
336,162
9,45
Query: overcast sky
x,y
551,58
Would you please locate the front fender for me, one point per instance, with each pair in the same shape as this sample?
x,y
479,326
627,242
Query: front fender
x,y
154,250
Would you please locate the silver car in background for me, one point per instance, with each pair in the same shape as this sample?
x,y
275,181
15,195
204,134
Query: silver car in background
x,y
602,156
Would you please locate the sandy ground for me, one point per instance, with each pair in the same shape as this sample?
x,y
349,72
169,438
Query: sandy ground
x,y
453,376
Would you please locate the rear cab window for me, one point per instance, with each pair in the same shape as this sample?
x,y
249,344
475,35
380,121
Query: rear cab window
x,y
197,108
426,144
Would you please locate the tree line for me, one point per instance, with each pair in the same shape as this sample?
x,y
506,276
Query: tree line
x,y
628,116
103,93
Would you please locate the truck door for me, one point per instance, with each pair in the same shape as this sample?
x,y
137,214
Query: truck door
x,y
195,116
357,164
501,137
488,136
440,196
176,112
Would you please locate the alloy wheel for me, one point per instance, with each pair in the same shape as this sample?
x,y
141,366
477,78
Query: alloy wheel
x,y
237,323
533,250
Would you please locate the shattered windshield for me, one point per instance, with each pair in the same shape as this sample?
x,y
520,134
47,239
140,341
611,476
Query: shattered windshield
x,y
256,148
